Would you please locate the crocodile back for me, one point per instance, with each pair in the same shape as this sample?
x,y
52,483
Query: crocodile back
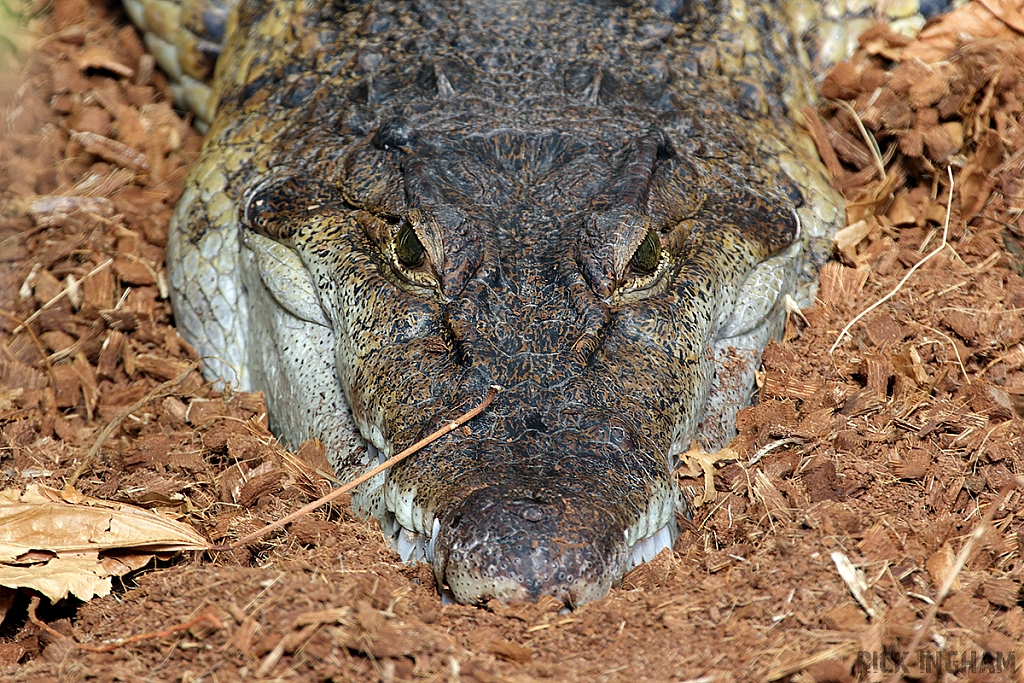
x,y
187,36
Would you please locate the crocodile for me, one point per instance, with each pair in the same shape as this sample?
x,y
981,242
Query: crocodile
x,y
601,207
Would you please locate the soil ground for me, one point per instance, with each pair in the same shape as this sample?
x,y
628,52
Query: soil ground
x,y
886,452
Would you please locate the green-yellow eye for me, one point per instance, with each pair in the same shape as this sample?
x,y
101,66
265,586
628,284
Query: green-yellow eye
x,y
408,247
648,254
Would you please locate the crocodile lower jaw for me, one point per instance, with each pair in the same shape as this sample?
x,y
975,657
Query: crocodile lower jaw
x,y
413,547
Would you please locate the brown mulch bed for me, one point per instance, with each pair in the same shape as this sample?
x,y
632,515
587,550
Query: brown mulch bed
x,y
886,450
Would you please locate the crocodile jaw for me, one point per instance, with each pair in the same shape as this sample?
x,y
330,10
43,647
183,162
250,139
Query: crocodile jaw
x,y
497,544
463,582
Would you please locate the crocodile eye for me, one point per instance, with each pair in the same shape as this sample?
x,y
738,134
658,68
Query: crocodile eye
x,y
648,254
408,247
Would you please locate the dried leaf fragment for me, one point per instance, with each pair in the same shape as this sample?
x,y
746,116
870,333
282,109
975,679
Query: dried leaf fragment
x,y
51,540
111,150
698,463
98,57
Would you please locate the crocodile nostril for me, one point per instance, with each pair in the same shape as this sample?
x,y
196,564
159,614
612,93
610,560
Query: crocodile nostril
x,y
532,511
622,438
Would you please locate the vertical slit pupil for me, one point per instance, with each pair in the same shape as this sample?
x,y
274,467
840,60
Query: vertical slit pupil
x,y
648,254
408,247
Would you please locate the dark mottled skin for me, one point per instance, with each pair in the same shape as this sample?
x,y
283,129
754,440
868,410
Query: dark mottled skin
x,y
532,147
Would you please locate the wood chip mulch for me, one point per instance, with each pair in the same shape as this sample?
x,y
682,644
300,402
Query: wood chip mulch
x,y
885,451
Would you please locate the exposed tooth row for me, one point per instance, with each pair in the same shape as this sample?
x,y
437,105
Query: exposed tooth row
x,y
660,511
406,522
433,540
411,521
646,549
414,547
411,546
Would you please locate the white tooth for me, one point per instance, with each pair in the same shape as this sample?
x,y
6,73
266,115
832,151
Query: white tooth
x,y
400,545
403,546
635,557
433,540
656,545
662,540
410,546
650,548
419,554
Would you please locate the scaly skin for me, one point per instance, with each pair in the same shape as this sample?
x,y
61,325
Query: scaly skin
x,y
529,149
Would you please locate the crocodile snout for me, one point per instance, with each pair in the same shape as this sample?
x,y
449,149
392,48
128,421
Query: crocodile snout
x,y
515,545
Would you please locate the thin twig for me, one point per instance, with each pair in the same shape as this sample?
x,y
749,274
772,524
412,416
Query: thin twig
x,y
869,139
164,389
60,295
35,340
955,570
206,617
956,351
765,450
52,632
855,581
427,440
945,235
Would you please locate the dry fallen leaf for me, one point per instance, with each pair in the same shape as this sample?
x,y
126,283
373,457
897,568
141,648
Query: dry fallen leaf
x,y
696,463
51,540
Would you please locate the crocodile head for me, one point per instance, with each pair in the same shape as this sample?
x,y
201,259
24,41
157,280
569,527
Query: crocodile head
x,y
400,207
